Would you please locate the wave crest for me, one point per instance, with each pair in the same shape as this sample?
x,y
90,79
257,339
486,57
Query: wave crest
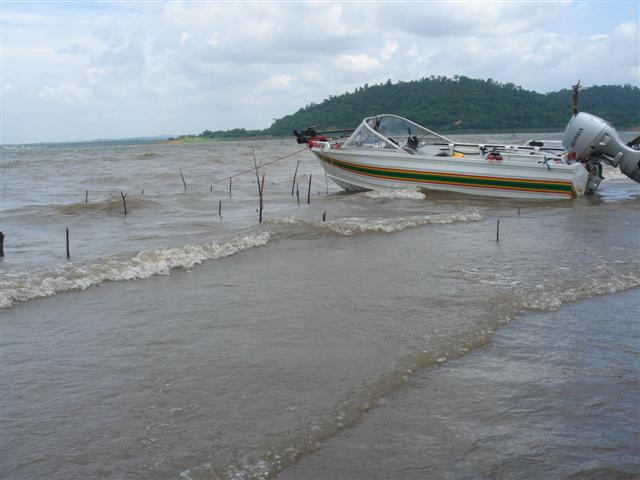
x,y
396,194
355,225
544,298
143,265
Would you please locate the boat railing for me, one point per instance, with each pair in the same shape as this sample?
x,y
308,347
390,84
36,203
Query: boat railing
x,y
418,130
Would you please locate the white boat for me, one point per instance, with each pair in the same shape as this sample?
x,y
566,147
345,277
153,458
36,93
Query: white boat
x,y
388,151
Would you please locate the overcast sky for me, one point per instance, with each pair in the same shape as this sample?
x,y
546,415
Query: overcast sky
x,y
109,70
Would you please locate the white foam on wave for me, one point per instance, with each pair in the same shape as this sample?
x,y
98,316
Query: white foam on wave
x,y
355,225
546,298
396,194
143,265
546,294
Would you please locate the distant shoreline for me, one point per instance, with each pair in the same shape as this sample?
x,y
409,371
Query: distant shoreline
x,y
197,140
208,140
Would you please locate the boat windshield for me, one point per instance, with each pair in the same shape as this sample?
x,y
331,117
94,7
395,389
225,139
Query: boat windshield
x,y
392,132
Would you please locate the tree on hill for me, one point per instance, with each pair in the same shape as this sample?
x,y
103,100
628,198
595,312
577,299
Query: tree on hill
x,y
463,103
457,103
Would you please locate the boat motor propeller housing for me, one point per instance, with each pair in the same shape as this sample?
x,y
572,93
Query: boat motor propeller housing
x,y
593,139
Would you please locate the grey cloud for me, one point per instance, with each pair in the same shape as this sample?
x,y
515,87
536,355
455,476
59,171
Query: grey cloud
x,y
154,66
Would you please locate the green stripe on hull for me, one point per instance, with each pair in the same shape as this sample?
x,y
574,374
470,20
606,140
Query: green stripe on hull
x,y
460,180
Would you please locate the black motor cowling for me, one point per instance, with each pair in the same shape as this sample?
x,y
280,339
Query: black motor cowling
x,y
304,137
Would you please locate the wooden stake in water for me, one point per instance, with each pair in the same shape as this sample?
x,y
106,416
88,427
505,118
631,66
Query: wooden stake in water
x,y
309,191
498,231
260,184
261,191
68,254
298,192
220,208
124,202
211,189
86,197
518,211
1,244
295,174
229,188
183,182
324,216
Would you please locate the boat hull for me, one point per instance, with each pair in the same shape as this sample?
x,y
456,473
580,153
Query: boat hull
x,y
381,170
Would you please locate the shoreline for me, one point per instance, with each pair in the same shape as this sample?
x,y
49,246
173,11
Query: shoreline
x,y
203,140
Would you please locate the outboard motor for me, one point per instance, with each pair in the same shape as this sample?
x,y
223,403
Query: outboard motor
x,y
592,139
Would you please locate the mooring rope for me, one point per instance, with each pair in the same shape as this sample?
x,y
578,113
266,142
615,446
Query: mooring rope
x,y
250,170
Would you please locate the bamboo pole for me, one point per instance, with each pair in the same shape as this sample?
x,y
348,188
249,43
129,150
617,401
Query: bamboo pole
x,y
260,185
261,197
295,174
183,182
124,202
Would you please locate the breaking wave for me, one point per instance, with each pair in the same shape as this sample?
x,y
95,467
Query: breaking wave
x,y
143,265
355,225
537,293
544,298
23,287
393,194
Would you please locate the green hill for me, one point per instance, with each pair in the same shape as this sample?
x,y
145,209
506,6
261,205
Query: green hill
x,y
439,102
461,103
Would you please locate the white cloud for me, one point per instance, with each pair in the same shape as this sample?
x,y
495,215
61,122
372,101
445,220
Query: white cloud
x,y
627,29
357,63
388,50
277,83
412,52
6,87
181,62
66,92
214,39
